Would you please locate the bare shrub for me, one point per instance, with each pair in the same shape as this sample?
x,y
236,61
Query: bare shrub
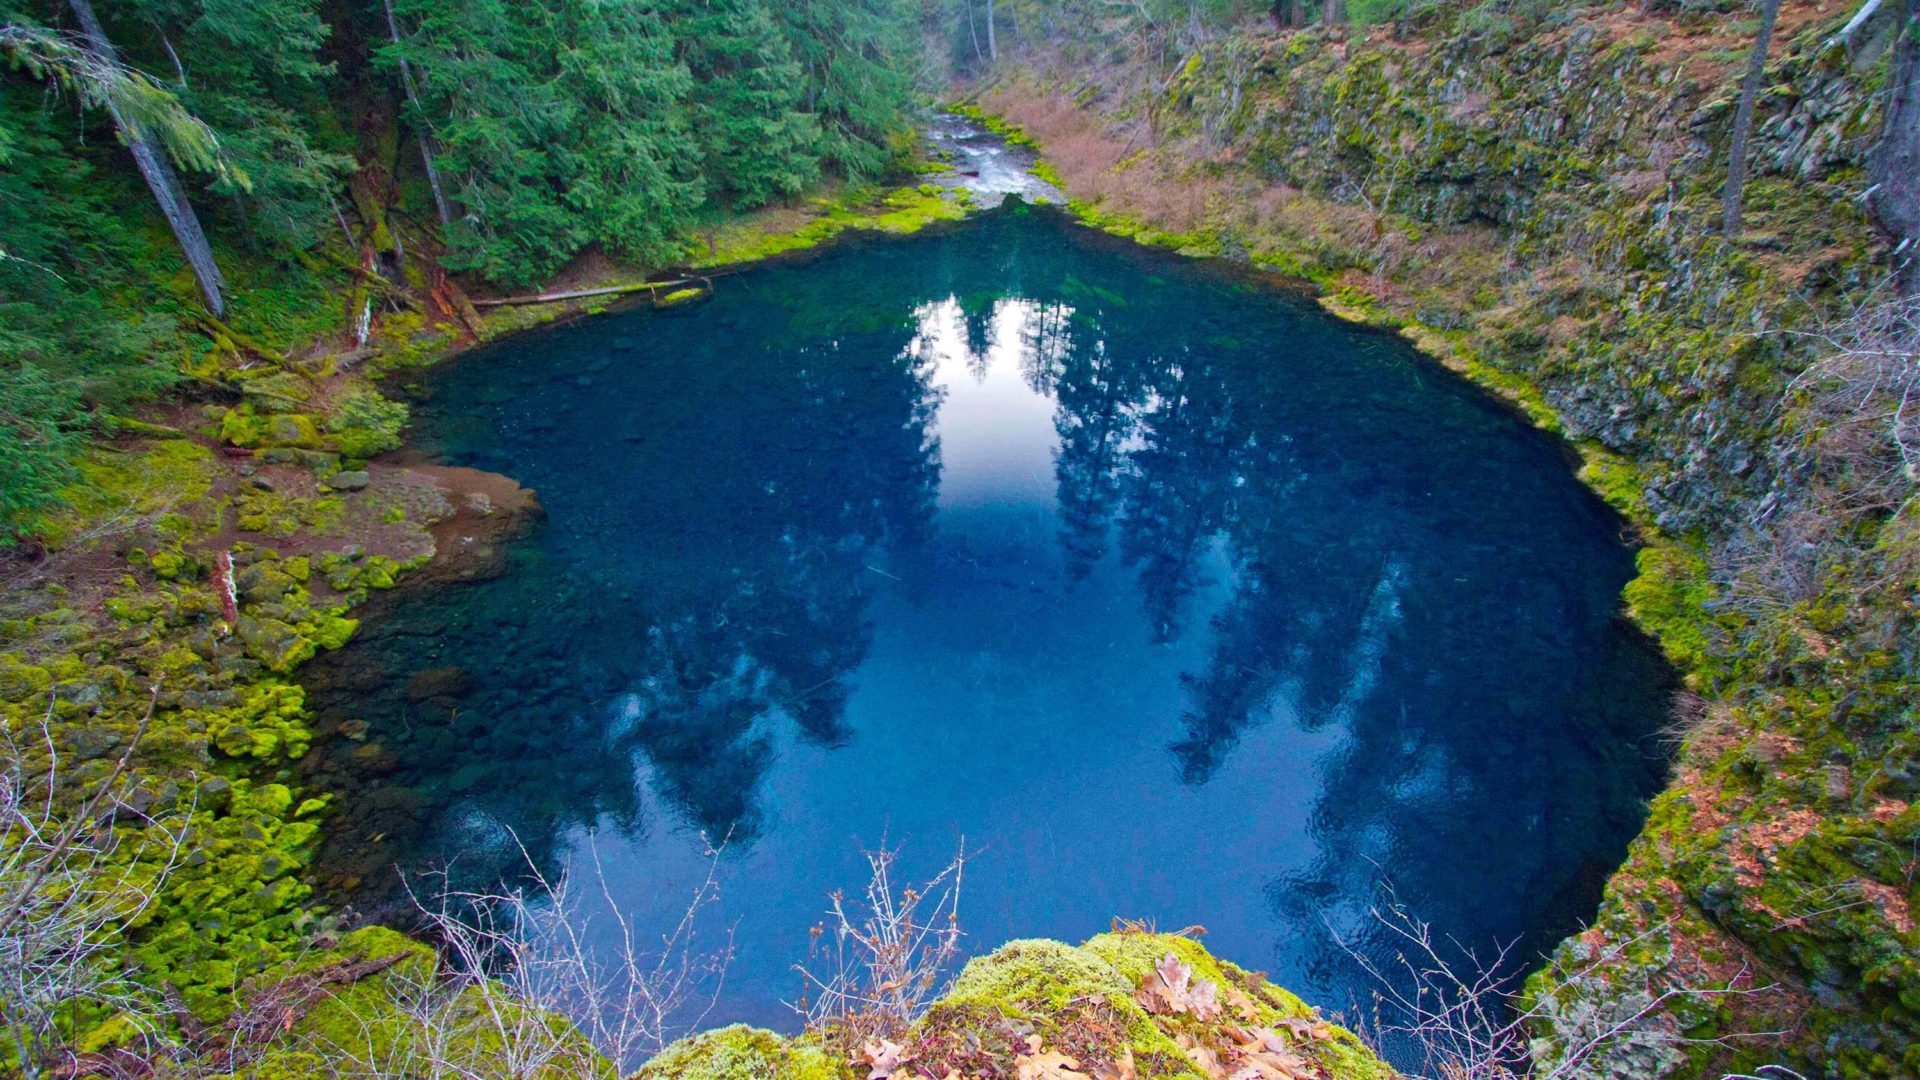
x,y
1698,727
1862,403
878,962
523,991
1857,411
1458,1007
75,869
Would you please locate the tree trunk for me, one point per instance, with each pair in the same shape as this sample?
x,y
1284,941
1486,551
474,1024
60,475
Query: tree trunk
x,y
1336,12
993,50
426,146
158,172
1743,119
1893,169
1860,18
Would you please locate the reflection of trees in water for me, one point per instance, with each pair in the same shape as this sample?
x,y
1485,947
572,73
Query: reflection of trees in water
x,y
720,588
694,603
1097,397
1345,609
763,615
1180,483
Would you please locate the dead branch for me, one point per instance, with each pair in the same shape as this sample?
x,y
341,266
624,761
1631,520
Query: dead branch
x,y
877,963
513,963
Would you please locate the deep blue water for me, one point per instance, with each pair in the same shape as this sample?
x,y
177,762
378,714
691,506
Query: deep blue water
x,y
1177,598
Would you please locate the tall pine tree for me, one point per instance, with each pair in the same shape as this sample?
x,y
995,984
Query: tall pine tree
x,y
757,142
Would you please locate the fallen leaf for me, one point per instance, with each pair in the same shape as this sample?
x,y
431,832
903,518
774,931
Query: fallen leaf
x,y
1046,1065
1170,991
884,1058
1122,1068
1204,1000
1208,1061
1305,1030
1174,973
1270,1055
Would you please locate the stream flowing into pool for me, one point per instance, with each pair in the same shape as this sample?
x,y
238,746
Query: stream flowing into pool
x,y
1179,599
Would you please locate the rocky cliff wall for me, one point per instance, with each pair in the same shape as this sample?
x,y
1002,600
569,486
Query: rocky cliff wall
x,y
1538,204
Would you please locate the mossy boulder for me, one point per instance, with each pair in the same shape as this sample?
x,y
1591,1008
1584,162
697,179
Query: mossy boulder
x,y
275,644
242,426
22,682
1030,1005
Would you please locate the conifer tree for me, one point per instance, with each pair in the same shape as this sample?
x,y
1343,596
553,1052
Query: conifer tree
x,y
756,142
859,63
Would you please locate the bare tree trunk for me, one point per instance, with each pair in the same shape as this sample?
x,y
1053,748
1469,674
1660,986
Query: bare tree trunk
x,y
1743,119
1894,166
1336,12
158,172
426,146
993,50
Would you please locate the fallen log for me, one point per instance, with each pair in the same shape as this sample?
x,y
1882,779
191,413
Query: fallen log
x,y
578,294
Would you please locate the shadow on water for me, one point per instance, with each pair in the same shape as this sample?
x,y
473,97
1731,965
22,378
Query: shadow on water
x,y
1188,601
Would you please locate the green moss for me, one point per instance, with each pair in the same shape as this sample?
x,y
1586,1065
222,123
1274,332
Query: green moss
x,y
898,212
1668,598
1077,999
1036,975
740,1053
243,427
1618,480
681,296
144,480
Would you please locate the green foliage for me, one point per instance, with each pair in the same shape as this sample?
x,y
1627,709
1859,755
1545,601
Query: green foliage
x,y
614,124
99,83
41,428
756,142
860,59
251,73
558,126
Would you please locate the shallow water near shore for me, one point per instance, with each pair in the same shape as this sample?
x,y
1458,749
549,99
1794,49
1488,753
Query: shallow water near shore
x,y
1175,597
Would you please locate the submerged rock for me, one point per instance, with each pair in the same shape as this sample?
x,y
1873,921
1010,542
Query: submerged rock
x,y
449,682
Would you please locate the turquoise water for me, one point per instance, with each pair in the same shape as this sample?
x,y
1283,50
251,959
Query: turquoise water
x,y
1178,599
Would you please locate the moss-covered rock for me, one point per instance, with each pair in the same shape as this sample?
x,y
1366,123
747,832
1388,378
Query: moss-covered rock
x,y
1038,1003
